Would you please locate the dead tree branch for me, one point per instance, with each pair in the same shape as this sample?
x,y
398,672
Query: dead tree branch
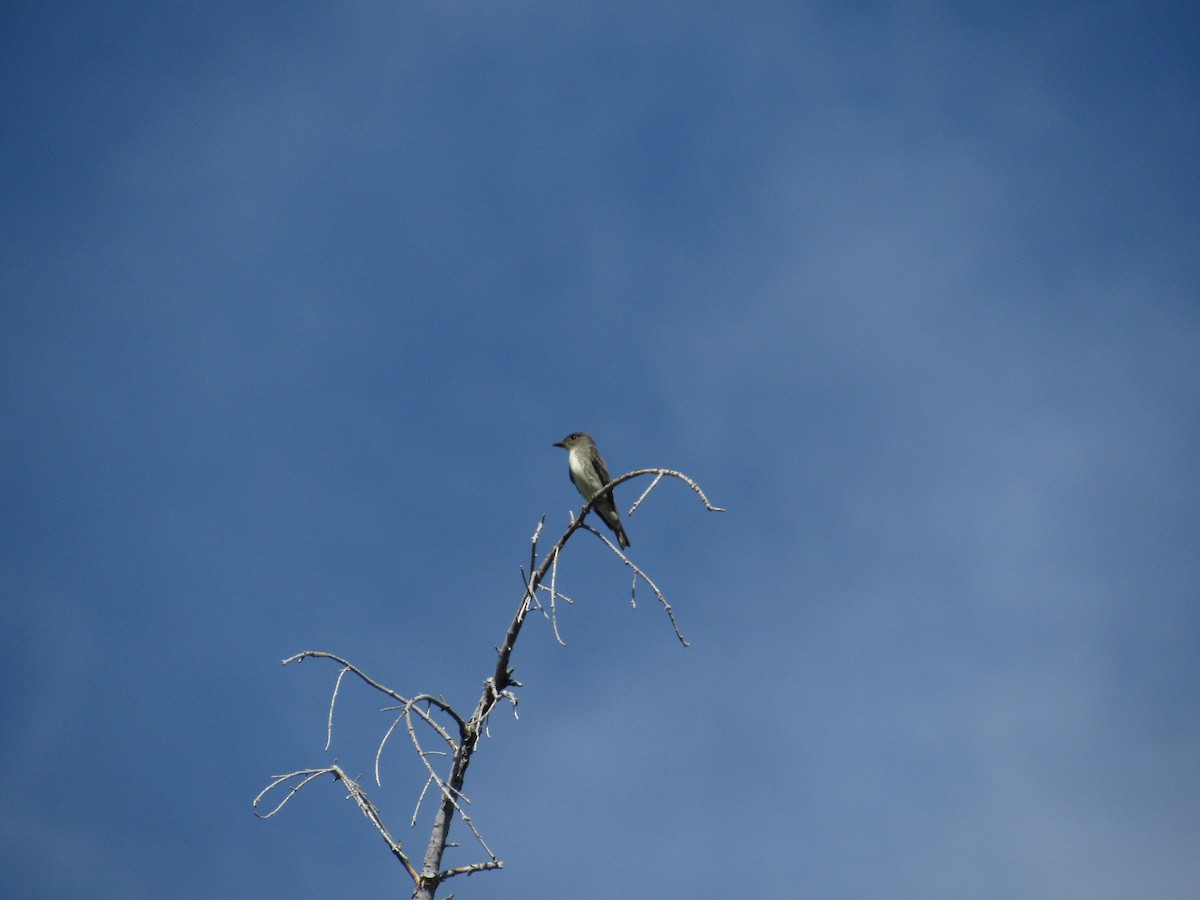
x,y
457,736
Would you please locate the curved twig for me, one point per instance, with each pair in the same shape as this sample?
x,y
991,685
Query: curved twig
x,y
277,780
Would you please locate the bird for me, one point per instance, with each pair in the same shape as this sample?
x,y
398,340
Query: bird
x,y
589,474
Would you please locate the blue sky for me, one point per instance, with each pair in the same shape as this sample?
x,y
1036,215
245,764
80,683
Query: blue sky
x,y
298,297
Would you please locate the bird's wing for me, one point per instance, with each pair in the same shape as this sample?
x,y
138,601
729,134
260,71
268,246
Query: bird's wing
x,y
601,469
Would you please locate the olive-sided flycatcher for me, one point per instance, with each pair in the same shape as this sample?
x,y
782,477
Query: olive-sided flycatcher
x,y
589,474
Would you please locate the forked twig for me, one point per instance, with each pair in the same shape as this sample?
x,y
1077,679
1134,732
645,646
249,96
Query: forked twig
x,y
368,809
658,476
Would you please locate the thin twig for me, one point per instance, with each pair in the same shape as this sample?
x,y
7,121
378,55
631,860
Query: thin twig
x,y
364,803
321,654
337,686
638,573
309,775
372,813
659,473
470,870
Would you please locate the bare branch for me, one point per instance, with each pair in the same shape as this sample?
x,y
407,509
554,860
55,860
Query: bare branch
x,y
277,780
424,708
364,803
553,594
430,701
321,654
337,686
379,751
372,813
470,870
659,473
638,573
421,799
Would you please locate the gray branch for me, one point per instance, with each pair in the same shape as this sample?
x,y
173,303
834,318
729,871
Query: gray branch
x,y
462,739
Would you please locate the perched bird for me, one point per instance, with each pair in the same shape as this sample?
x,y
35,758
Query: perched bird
x,y
589,474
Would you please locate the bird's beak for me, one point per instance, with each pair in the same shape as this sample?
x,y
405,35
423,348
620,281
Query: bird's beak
x,y
559,444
